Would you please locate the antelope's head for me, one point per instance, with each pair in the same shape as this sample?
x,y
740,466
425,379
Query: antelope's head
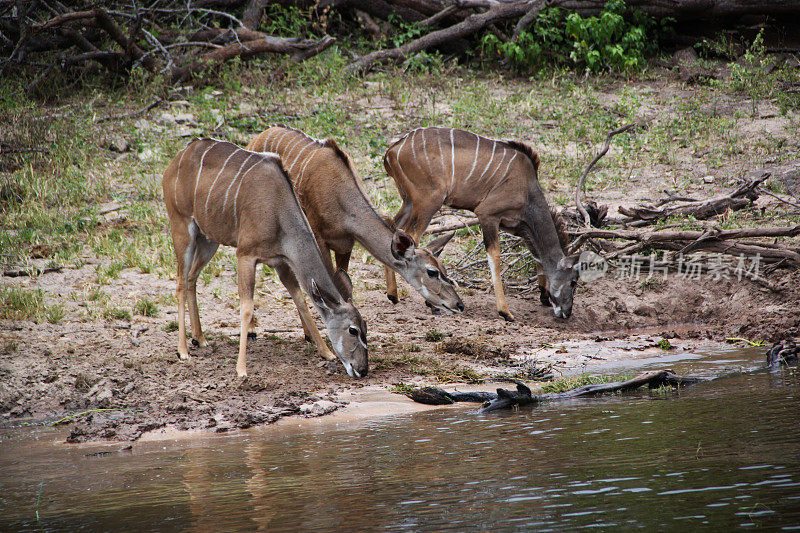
x,y
561,285
346,329
423,270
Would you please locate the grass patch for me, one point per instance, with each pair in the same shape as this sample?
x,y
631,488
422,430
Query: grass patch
x,y
565,384
17,303
145,307
116,313
433,335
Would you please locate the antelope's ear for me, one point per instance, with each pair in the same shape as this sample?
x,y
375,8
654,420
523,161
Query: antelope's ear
x,y
571,261
317,298
437,245
344,284
403,245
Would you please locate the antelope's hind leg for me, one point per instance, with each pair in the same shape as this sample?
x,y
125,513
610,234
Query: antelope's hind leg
x,y
183,245
246,281
202,250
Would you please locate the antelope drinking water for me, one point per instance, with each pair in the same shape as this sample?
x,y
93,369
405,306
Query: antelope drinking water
x,y
498,181
340,213
217,193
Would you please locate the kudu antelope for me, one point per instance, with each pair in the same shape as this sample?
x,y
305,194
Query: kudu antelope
x,y
217,193
498,181
340,213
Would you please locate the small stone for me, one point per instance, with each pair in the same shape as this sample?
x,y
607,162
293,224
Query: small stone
x,y
708,179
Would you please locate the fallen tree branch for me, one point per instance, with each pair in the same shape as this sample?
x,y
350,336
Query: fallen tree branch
x,y
472,24
297,49
579,187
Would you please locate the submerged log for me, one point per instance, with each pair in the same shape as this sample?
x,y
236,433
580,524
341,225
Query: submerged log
x,y
782,353
504,398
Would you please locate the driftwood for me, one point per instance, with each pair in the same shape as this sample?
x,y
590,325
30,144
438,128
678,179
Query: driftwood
x,y
742,197
711,240
784,352
504,399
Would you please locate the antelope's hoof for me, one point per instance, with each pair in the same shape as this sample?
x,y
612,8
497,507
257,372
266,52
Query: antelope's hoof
x,y
544,298
241,374
508,317
195,342
252,335
308,339
328,356
392,298
183,356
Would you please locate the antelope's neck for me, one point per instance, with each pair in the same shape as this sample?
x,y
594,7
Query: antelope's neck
x,y
366,225
539,232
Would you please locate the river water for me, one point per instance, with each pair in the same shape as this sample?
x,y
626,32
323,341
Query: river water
x,y
719,455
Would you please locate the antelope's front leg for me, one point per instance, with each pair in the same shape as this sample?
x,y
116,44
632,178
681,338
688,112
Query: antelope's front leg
x,y
247,282
491,242
391,285
309,326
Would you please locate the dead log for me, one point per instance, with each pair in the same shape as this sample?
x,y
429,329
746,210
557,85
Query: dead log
x,y
498,11
296,48
742,197
504,399
712,240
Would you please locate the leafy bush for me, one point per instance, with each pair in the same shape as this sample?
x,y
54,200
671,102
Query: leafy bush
x,y
608,42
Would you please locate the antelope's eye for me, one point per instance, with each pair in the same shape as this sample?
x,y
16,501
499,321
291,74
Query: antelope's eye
x,y
353,330
433,273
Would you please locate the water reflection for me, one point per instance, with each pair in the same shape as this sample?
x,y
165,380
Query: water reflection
x,y
722,454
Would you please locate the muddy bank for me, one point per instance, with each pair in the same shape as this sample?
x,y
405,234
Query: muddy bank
x,y
126,380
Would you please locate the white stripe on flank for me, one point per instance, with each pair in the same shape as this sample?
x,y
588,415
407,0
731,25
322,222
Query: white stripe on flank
x,y
278,141
452,159
413,150
289,147
199,170
303,170
475,159
494,147
210,189
236,197
178,170
503,158
225,203
400,148
441,152
425,150
509,163
311,143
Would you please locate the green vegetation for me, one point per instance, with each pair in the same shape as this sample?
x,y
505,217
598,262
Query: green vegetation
x,y
433,335
145,307
664,344
565,384
17,303
115,313
613,41
20,304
